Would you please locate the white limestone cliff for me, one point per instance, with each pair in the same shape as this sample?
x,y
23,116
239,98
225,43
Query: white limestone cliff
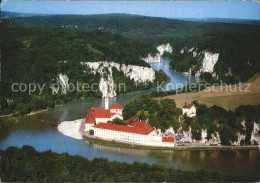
x,y
161,49
138,74
208,63
190,50
255,135
152,59
204,135
62,83
164,48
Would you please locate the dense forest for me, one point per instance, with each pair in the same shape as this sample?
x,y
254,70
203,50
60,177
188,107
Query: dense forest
x,y
48,45
163,114
38,55
237,44
28,165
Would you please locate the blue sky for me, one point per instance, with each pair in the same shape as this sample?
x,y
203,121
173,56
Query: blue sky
x,y
169,9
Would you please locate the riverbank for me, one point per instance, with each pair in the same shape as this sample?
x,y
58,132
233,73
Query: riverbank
x,y
38,111
29,114
176,148
74,129
47,109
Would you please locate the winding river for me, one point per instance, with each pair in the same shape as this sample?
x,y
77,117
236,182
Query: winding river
x,y
29,130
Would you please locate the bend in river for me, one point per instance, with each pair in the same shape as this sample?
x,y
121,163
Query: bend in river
x,y
29,130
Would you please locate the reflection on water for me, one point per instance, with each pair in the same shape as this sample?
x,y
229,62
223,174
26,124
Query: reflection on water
x,y
130,152
28,130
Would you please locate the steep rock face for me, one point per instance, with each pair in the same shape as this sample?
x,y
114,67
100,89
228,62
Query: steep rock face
x,y
255,136
107,86
204,134
186,136
151,59
206,59
62,82
164,48
208,63
138,74
161,49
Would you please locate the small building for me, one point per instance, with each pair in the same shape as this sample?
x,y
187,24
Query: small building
x,y
189,109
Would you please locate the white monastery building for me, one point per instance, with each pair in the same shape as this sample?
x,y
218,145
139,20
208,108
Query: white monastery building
x,y
134,131
189,109
96,115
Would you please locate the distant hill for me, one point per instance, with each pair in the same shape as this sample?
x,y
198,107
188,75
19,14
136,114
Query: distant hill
x,y
6,14
224,20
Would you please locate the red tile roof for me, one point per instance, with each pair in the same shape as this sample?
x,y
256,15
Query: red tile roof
x,y
101,112
116,105
90,119
122,128
97,112
139,124
168,139
187,106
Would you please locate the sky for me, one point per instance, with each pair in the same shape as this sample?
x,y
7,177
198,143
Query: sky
x,y
168,9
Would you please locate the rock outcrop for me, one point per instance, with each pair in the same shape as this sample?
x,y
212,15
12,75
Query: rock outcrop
x,y
205,58
255,135
138,74
157,57
62,83
208,63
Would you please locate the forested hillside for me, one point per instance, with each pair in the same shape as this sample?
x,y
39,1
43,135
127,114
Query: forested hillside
x,y
38,55
163,114
42,53
237,44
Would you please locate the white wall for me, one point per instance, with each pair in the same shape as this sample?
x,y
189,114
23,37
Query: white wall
x,y
190,112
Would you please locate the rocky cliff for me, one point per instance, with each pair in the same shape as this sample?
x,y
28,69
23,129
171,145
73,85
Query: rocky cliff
x,y
204,60
186,136
107,86
157,57
61,85
208,63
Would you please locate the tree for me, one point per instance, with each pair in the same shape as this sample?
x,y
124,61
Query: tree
x,y
196,130
143,115
227,134
91,132
117,121
195,103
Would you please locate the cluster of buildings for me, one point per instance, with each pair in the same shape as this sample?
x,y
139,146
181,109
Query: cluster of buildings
x,y
99,121
133,132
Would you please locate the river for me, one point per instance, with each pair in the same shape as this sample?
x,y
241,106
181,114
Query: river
x,y
28,130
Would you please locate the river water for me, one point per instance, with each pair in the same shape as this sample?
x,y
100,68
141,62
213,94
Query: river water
x,y
29,130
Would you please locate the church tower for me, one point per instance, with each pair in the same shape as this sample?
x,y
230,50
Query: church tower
x,y
106,103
